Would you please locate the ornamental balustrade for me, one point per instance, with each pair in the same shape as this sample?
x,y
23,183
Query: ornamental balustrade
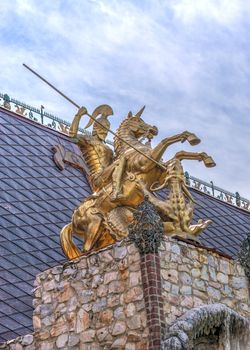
x,y
217,192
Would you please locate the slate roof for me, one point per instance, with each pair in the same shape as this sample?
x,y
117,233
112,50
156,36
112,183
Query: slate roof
x,y
37,200
230,224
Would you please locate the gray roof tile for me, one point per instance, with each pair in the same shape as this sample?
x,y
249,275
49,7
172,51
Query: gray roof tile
x,y
10,323
4,296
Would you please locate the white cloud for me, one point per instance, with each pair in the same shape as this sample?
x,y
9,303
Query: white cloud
x,y
223,12
188,61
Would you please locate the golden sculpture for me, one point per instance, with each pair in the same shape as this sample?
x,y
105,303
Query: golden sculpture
x,y
122,178
97,154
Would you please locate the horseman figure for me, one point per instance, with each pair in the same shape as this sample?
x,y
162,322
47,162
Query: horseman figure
x,y
122,178
103,165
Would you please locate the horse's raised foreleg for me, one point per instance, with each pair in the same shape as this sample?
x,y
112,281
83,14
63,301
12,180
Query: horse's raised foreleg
x,y
204,157
159,150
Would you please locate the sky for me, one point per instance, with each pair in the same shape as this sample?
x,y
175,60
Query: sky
x,y
188,61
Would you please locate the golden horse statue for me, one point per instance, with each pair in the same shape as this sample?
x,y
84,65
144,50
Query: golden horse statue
x,y
120,179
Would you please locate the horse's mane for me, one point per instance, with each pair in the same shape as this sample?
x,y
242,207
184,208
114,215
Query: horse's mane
x,y
126,131
120,132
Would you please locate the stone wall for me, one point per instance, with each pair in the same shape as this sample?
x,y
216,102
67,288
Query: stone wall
x,y
96,302
93,303
194,276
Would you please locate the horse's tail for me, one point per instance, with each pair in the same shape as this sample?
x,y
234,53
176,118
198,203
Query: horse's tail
x,y
68,246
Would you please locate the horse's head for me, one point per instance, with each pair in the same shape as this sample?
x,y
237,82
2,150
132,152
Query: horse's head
x,y
138,126
133,127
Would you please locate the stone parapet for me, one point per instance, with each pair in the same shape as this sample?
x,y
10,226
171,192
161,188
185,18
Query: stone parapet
x,y
104,300
92,303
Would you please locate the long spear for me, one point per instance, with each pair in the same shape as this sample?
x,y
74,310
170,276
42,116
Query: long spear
x,y
103,126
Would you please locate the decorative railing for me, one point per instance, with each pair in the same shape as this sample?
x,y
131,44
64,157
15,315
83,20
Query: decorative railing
x,y
42,117
217,192
38,115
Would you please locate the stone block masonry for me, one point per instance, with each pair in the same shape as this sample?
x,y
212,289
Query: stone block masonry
x,y
99,301
95,302
193,277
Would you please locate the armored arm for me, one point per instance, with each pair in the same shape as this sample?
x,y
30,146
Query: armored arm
x,y
75,124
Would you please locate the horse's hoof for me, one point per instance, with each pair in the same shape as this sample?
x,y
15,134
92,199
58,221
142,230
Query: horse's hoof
x,y
193,140
209,162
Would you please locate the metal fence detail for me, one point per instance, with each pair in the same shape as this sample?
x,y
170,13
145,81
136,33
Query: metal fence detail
x,y
38,115
217,192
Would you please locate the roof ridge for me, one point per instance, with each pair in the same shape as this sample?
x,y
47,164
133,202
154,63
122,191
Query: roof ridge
x,y
220,200
56,123
37,124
